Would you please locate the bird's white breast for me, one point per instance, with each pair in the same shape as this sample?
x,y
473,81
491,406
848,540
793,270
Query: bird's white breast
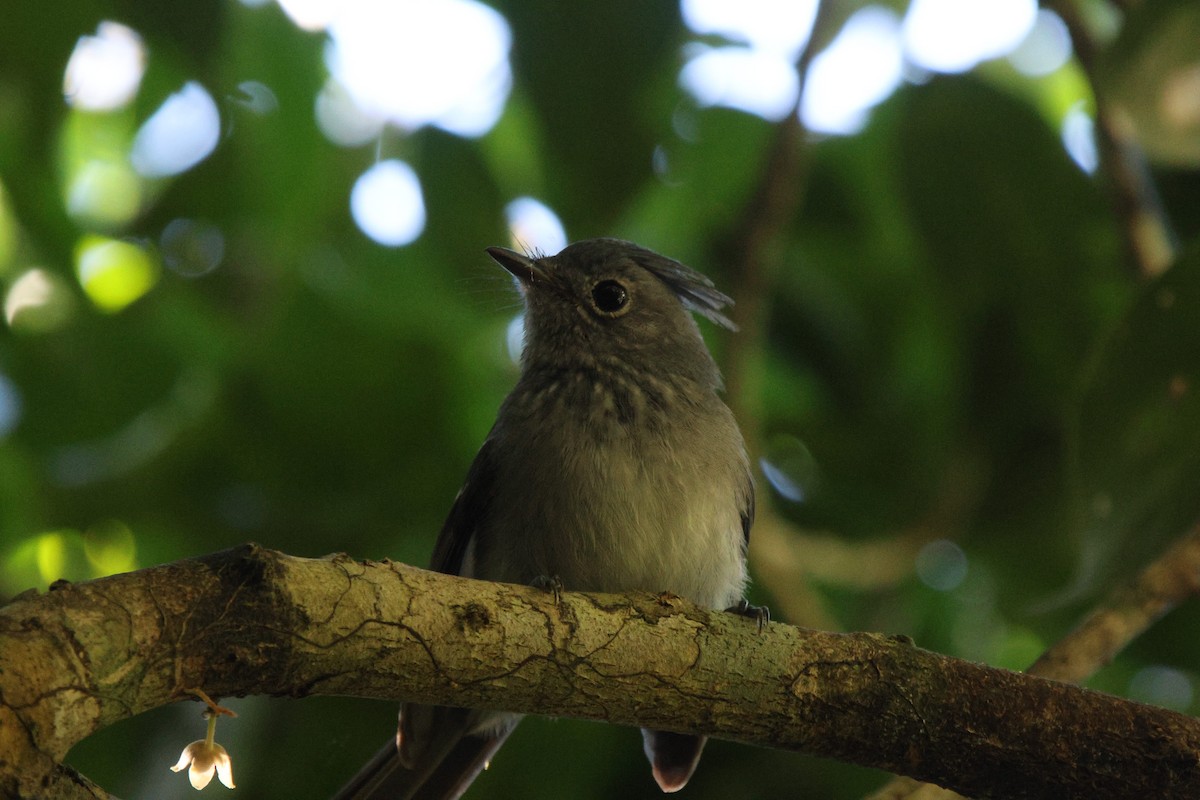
x,y
618,505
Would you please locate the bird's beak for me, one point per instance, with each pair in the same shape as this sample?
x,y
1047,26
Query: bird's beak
x,y
523,268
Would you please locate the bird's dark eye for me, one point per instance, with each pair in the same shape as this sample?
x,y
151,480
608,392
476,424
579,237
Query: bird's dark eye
x,y
610,296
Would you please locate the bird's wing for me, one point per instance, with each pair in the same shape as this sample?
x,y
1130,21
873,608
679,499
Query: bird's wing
x,y
746,501
470,508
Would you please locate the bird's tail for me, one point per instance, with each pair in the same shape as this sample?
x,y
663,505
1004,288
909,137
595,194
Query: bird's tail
x,y
673,757
441,773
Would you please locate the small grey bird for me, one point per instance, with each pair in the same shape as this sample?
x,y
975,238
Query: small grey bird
x,y
613,465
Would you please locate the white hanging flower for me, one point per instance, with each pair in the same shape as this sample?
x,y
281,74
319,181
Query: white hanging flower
x,y
204,756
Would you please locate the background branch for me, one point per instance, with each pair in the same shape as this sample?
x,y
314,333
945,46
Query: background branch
x,y
1150,247
255,621
1150,243
752,249
1127,613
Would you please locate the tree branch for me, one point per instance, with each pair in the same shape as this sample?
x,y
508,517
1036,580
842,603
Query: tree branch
x,y
256,621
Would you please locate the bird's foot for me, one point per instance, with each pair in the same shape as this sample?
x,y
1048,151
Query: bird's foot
x,y
549,583
760,614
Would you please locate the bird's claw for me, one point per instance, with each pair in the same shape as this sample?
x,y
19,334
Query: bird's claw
x,y
761,614
549,583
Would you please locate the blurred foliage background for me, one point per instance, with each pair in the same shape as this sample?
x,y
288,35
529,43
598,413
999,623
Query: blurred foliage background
x,y
245,298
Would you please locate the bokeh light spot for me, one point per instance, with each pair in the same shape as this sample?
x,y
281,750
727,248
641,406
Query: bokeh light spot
x,y
50,555
105,70
342,120
9,232
110,548
1046,48
387,204
941,565
1079,138
179,135
755,81
310,15
1179,100
256,97
104,194
44,557
514,338
114,273
532,225
955,35
789,467
10,405
780,26
1162,686
192,248
38,301
439,62
860,68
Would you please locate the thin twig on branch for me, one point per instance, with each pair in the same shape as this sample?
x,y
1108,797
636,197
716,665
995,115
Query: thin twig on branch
x,y
256,621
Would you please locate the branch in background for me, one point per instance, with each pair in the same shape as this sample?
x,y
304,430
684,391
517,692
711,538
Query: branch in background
x,y
786,555
753,254
752,249
255,621
1149,242
1151,246
1126,614
791,560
